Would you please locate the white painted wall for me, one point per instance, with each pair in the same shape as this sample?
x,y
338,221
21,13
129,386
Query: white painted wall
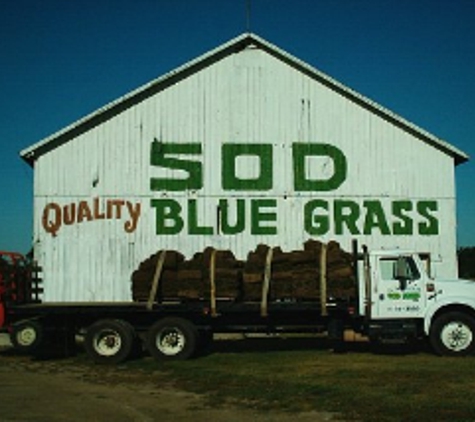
x,y
248,97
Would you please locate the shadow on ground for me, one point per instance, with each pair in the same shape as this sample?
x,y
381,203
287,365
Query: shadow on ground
x,y
276,344
252,344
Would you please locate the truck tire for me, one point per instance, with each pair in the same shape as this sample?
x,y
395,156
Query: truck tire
x,y
109,341
26,336
453,334
172,339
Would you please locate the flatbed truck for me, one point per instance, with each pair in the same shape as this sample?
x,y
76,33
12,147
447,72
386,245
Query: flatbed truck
x,y
396,301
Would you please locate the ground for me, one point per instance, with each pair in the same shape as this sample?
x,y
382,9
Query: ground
x,y
66,390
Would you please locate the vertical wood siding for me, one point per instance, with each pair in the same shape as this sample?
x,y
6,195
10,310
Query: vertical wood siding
x,y
248,97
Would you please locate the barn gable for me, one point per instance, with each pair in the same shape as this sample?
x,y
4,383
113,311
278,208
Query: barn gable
x,y
242,146
236,45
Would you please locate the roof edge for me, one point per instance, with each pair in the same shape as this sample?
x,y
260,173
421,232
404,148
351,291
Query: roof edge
x,y
30,154
458,155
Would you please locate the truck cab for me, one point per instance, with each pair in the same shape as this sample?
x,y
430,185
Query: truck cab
x,y
400,300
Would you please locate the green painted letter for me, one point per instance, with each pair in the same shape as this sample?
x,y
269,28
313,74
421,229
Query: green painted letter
x,y
239,226
431,225
158,158
167,216
346,213
229,178
193,227
316,224
301,150
375,218
260,216
405,225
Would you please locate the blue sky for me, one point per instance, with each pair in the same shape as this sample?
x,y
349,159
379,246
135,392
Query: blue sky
x,y
61,60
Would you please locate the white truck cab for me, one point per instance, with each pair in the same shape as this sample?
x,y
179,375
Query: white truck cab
x,y
400,300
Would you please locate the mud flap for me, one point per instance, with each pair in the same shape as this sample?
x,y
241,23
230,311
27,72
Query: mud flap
x,y
336,329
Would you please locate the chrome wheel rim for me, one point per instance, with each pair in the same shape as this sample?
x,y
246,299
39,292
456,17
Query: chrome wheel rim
x,y
456,336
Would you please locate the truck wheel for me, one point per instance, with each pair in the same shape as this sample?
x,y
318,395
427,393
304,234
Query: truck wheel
x,y
453,334
109,341
26,336
172,339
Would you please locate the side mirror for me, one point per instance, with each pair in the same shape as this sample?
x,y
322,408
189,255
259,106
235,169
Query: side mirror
x,y
402,283
401,272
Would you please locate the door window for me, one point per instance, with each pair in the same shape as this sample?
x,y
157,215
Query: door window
x,y
389,268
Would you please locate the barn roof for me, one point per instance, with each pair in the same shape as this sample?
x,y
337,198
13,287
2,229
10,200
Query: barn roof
x,y
235,45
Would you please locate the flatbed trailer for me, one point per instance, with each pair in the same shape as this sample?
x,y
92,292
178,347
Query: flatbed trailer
x,y
169,330
231,317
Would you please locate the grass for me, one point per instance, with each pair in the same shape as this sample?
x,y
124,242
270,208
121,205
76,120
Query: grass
x,y
416,386
295,375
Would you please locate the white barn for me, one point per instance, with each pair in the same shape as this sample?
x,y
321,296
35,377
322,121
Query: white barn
x,y
243,145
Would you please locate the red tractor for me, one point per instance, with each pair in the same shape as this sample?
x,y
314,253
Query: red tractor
x,y
15,281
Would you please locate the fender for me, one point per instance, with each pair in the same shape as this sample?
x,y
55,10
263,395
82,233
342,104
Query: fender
x,y
448,301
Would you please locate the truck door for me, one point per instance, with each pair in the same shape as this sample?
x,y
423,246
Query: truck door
x,y
398,289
